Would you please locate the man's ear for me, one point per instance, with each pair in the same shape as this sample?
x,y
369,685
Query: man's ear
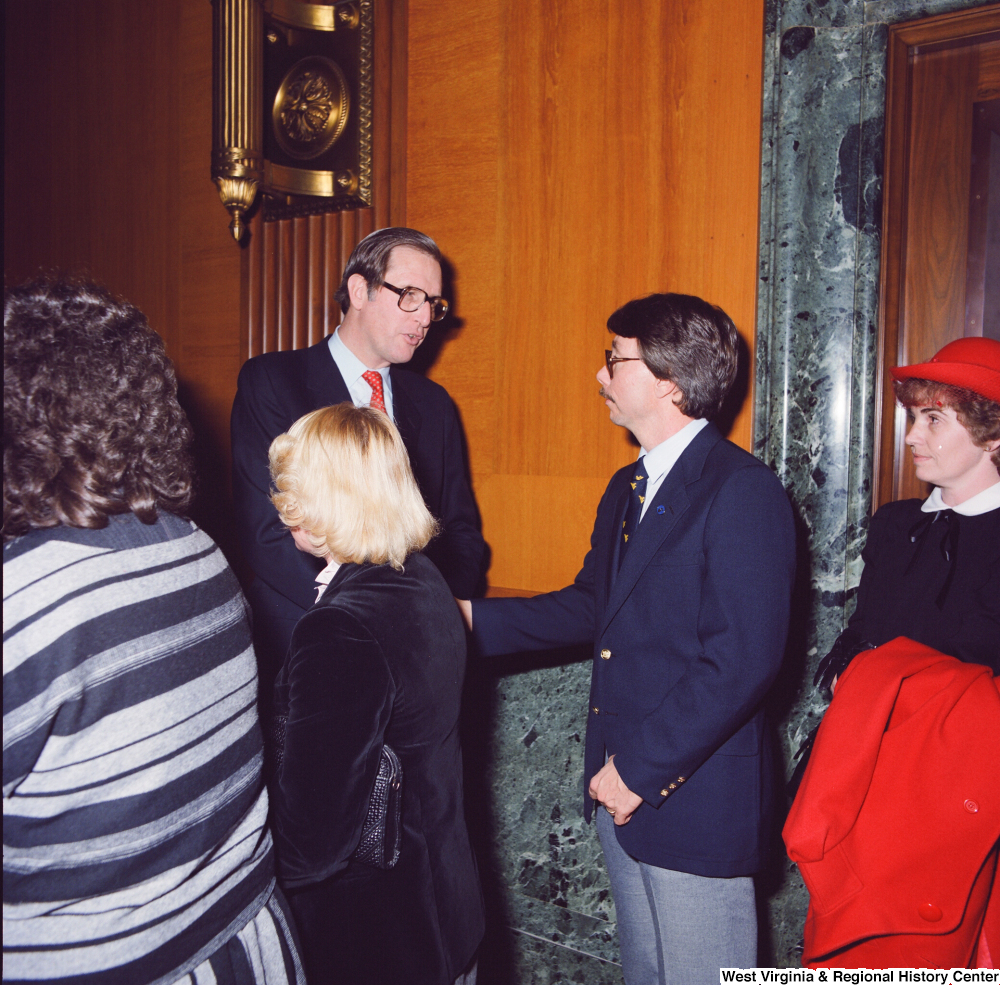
x,y
667,388
357,290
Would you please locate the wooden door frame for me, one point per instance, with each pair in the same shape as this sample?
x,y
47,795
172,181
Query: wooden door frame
x,y
904,40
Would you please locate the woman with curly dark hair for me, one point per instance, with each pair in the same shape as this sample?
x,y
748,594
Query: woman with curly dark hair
x,y
136,846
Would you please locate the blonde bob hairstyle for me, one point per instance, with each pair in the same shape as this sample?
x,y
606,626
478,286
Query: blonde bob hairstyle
x,y
342,474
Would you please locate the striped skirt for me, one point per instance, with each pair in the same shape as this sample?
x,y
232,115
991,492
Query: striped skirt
x,y
264,952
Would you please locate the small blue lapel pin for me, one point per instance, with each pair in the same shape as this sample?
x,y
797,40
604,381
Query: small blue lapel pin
x,y
661,510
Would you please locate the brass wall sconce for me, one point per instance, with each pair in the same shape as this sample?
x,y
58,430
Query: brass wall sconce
x,y
293,107
237,69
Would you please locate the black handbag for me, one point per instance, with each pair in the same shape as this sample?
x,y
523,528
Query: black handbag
x,y
382,831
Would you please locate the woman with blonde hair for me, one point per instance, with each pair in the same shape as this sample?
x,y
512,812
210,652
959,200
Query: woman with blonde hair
x,y
378,661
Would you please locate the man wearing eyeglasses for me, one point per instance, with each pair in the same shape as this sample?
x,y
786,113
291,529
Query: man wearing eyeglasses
x,y
390,295
684,597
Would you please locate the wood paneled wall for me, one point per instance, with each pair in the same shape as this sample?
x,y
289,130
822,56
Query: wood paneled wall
x,y
107,148
567,156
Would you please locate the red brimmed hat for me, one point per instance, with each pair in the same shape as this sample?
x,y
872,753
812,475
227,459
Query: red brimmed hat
x,y
973,363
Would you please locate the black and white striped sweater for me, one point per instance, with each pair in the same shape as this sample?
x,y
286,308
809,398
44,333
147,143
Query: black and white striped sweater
x,y
135,835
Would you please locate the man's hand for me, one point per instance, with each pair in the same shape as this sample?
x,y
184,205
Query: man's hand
x,y
465,607
606,788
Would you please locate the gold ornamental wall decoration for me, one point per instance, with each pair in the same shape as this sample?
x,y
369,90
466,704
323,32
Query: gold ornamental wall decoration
x,y
292,107
318,97
311,108
237,69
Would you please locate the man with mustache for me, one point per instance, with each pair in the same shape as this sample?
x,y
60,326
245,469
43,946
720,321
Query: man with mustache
x,y
684,597
389,295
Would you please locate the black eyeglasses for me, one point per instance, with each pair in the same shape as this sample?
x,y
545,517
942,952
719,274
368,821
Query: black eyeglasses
x,y
411,298
610,359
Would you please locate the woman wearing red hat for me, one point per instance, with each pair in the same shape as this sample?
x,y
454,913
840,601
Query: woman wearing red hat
x,y
896,822
932,568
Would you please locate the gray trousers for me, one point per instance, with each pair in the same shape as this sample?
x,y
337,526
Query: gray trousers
x,y
675,928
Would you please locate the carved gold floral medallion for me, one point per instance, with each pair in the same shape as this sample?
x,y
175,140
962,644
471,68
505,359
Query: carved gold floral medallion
x,y
310,107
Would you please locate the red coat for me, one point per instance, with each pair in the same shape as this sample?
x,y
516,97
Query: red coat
x,y
896,822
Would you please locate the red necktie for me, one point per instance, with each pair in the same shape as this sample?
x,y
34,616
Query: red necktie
x,y
374,379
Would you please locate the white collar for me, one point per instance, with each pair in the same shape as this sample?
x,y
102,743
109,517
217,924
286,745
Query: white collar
x,y
324,578
983,502
661,459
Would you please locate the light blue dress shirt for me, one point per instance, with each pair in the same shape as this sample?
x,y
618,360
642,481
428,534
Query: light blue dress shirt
x,y
351,369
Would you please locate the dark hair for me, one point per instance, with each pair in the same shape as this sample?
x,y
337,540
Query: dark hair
x,y
91,422
978,415
687,341
371,258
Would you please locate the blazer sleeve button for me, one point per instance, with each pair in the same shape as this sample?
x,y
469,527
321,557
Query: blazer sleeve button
x,y
595,709
664,793
930,912
605,654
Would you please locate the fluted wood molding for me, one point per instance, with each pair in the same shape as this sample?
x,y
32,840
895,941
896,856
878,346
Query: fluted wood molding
x,y
292,267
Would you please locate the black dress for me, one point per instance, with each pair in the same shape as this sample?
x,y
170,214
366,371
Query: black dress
x,y
934,581
380,658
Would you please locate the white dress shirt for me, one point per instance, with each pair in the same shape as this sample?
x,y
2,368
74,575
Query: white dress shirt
x,y
351,369
984,502
664,457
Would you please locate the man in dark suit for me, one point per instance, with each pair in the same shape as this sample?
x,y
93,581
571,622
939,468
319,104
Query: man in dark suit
x,y
684,596
389,295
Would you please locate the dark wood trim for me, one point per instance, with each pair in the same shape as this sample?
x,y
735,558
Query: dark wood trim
x,y
897,115
905,42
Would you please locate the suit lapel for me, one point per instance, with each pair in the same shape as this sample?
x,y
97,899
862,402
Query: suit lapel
x,y
620,507
404,410
323,380
661,518
647,539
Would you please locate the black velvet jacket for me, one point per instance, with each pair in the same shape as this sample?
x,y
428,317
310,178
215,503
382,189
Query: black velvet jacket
x,y
380,658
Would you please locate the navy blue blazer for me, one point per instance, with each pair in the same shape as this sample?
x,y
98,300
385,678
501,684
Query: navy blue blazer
x,y
274,391
687,639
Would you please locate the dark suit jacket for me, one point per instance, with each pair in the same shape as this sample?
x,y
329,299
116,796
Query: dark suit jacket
x,y
274,391
380,658
687,638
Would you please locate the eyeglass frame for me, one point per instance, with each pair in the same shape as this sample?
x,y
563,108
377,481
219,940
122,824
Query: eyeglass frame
x,y
610,359
428,299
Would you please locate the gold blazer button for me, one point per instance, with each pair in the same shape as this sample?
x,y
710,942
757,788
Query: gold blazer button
x,y
605,654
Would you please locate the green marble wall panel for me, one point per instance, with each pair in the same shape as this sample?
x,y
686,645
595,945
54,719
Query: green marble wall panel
x,y
551,916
